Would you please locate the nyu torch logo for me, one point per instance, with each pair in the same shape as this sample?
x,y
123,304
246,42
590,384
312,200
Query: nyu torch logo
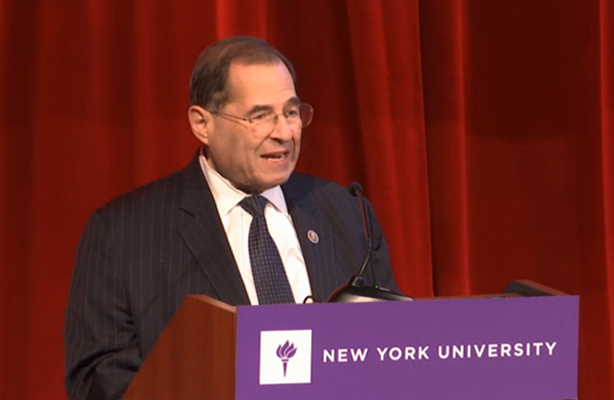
x,y
285,352
282,347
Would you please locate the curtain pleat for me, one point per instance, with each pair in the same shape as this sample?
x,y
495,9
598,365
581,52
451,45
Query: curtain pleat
x,y
606,32
385,50
444,80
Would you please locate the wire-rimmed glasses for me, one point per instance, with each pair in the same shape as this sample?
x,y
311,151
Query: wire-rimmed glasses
x,y
298,116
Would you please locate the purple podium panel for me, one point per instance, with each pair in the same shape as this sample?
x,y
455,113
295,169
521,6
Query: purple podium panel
x,y
469,349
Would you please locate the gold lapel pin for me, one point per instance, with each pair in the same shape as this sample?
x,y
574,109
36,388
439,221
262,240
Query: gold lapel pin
x,y
313,236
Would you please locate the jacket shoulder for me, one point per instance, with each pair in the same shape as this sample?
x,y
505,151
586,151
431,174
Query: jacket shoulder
x,y
166,190
315,185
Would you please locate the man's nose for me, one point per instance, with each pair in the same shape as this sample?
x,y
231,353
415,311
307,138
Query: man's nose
x,y
283,129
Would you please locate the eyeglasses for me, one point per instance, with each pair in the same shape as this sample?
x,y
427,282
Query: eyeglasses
x,y
263,123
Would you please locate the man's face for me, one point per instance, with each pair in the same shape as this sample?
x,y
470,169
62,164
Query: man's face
x,y
249,162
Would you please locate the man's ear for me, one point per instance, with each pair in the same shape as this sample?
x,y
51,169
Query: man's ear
x,y
201,122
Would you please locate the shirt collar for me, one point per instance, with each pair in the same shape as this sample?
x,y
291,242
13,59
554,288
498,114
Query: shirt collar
x,y
227,196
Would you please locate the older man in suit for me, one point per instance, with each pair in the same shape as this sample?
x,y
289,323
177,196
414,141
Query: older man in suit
x,y
236,224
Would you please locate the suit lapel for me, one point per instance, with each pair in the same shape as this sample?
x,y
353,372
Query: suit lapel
x,y
204,235
320,256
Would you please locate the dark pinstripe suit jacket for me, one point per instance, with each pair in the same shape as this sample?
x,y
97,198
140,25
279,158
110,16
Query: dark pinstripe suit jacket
x,y
142,253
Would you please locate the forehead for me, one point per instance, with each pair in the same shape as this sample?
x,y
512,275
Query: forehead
x,y
260,83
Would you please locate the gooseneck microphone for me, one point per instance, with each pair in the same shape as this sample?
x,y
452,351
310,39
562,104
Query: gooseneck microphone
x,y
356,190
354,291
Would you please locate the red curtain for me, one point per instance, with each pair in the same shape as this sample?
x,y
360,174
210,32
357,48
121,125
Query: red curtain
x,y
482,131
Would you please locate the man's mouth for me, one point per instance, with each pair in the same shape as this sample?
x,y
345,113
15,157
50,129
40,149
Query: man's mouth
x,y
278,156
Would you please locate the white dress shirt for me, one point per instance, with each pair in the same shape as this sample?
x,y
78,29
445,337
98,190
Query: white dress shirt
x,y
236,222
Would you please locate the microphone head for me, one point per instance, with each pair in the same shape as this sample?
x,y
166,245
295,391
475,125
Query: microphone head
x,y
355,189
365,294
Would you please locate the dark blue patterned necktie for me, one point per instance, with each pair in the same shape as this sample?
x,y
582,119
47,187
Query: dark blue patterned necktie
x,y
270,279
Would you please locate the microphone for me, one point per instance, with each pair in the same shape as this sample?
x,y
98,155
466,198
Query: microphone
x,y
355,190
354,291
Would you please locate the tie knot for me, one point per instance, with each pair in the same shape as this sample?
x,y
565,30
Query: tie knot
x,y
254,205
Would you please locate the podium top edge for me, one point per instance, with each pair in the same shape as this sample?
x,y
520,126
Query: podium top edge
x,y
217,303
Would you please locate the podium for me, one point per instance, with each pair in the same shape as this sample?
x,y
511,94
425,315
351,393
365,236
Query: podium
x,y
501,347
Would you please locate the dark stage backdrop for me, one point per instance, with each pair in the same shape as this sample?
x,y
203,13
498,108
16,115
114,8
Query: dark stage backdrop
x,y
481,130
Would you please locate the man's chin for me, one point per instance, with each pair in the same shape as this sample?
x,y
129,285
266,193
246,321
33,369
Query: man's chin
x,y
260,185
272,183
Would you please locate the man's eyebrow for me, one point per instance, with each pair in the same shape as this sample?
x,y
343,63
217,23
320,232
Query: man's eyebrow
x,y
260,108
293,101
